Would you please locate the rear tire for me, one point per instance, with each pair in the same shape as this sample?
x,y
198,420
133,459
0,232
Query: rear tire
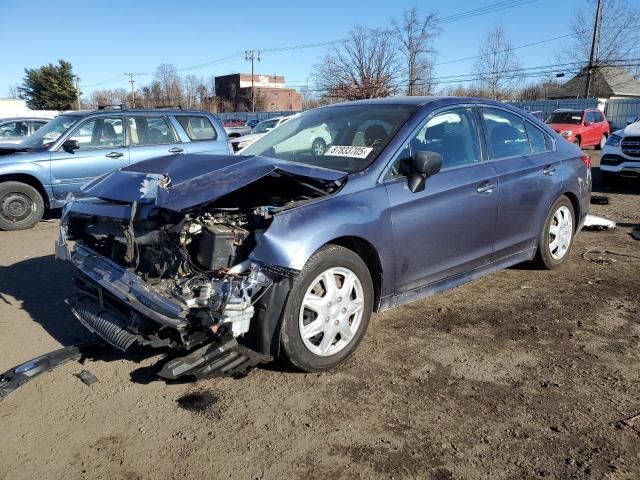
x,y
603,140
328,310
556,238
21,206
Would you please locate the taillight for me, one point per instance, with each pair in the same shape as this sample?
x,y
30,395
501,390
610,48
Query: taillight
x,y
586,159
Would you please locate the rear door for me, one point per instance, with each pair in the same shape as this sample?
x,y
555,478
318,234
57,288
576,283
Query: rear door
x,y
152,136
103,148
526,164
448,228
202,134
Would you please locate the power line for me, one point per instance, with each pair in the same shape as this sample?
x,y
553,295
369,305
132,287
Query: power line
x,y
492,8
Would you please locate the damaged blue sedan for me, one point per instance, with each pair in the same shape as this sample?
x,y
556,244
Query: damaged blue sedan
x,y
287,249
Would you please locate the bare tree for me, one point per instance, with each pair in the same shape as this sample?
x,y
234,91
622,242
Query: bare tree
x,y
108,96
12,91
363,66
415,36
619,35
170,83
191,83
497,69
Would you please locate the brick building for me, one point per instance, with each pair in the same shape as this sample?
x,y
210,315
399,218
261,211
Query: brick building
x,y
271,93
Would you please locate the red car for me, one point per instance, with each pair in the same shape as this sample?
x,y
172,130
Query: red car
x,y
233,122
583,127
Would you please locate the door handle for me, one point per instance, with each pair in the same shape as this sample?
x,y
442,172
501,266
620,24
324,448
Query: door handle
x,y
549,170
176,150
487,187
115,155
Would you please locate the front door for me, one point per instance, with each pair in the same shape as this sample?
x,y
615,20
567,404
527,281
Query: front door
x,y
448,228
102,149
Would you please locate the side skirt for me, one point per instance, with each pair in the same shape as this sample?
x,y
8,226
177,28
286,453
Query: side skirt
x,y
392,301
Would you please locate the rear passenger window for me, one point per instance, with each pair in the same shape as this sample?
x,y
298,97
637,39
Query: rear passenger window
x,y
197,127
506,132
150,131
538,139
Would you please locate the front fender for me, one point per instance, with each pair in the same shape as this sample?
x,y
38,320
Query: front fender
x,y
37,170
294,235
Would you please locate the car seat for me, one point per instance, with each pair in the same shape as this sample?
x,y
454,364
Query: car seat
x,y
375,136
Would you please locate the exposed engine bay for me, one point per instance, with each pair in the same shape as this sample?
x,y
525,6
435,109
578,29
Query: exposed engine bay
x,y
199,260
178,279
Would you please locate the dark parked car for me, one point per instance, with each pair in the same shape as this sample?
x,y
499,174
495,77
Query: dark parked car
x,y
235,260
39,172
14,130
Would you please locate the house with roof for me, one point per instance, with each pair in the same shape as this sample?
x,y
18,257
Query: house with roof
x,y
606,82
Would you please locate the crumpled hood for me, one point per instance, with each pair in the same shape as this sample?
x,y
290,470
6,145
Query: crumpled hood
x,y
179,182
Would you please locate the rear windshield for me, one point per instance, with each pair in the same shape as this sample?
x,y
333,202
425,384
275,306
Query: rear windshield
x,y
573,118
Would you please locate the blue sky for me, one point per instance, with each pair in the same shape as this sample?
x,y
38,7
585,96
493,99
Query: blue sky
x,y
105,39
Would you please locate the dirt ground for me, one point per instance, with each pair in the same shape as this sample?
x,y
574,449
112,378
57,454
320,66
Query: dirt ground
x,y
523,374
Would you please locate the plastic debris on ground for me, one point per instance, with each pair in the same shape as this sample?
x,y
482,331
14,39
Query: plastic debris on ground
x,y
594,222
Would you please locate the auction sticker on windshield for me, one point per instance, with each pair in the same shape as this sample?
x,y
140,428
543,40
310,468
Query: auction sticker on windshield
x,y
346,151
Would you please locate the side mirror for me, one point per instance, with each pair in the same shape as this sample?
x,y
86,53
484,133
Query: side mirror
x,y
425,164
70,145
588,124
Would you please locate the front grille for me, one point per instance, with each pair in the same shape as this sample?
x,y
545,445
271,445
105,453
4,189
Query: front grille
x,y
631,146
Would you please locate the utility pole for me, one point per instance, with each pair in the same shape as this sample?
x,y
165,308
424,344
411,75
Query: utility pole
x,y
133,90
78,92
594,48
251,56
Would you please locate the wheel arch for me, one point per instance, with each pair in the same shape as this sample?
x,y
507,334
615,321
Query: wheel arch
x,y
29,180
369,255
575,203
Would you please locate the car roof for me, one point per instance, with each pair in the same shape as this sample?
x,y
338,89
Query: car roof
x,y
138,111
13,119
422,101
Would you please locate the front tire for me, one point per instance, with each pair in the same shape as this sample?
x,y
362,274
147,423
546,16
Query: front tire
x,y
328,310
21,206
556,238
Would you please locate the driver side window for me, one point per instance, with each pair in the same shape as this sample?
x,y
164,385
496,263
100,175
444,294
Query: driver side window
x,y
101,132
452,134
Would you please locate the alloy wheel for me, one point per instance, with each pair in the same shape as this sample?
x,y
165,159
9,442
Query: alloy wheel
x,y
560,233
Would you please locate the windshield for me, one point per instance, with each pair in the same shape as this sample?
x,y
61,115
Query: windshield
x,y
573,118
50,132
347,137
264,127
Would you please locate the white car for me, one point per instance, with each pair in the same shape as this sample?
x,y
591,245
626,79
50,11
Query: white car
x,y
621,154
313,140
259,131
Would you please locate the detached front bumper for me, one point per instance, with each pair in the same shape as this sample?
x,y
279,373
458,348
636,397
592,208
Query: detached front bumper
x,y
128,288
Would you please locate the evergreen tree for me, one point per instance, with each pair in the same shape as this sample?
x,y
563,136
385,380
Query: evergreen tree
x,y
49,87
